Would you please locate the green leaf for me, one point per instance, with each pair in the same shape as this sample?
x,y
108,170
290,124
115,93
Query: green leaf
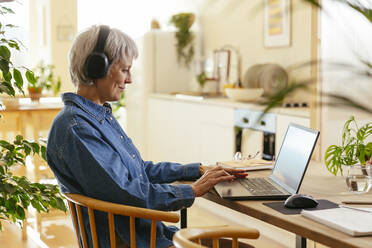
x,y
366,12
61,204
27,148
10,26
4,53
7,88
8,77
13,44
20,213
30,77
35,147
314,2
18,140
10,206
18,78
7,10
4,66
36,204
361,153
43,152
332,159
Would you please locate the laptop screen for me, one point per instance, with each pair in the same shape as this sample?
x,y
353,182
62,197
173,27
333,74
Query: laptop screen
x,y
294,156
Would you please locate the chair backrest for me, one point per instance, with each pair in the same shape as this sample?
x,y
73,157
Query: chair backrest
x,y
75,201
191,237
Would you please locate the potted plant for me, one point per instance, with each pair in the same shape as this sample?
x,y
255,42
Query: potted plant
x,y
354,152
185,47
17,193
42,78
202,79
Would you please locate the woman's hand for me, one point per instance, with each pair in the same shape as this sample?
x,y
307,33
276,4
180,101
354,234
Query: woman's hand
x,y
211,177
238,173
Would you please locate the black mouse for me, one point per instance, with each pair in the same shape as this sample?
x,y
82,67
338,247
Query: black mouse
x,y
300,201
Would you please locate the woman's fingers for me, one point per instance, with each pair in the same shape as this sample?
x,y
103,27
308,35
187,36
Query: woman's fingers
x,y
209,179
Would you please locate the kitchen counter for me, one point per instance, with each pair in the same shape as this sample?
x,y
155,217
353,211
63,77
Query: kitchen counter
x,y
226,102
25,104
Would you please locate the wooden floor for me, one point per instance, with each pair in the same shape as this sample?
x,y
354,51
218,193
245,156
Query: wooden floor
x,y
58,232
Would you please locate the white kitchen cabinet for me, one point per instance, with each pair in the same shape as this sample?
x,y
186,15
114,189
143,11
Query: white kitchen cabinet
x,y
217,140
189,132
282,122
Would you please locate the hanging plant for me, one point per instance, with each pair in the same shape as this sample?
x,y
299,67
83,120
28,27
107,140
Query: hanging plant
x,y
185,46
18,193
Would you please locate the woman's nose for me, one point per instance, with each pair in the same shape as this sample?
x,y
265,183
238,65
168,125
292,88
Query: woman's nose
x,y
128,80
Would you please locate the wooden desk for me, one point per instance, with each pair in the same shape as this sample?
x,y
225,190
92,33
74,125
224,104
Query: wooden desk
x,y
29,118
319,183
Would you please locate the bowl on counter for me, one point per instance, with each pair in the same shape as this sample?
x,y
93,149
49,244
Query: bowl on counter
x,y
244,94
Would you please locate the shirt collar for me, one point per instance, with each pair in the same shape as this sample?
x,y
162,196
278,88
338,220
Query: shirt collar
x,y
97,111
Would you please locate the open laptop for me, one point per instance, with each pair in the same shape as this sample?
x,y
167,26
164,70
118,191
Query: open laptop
x,y
288,172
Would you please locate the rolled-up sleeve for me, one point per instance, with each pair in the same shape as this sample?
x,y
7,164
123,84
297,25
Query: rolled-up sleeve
x,y
166,172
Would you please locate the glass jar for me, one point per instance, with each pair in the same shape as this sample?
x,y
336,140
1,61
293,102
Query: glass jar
x,y
359,179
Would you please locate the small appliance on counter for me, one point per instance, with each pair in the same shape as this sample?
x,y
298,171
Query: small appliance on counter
x,y
253,134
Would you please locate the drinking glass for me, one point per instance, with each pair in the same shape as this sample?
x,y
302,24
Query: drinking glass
x,y
358,179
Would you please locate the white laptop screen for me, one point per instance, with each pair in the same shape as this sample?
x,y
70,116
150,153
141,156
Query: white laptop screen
x,y
294,156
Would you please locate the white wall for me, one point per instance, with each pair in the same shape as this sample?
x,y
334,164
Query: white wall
x,y
346,37
241,24
21,32
48,42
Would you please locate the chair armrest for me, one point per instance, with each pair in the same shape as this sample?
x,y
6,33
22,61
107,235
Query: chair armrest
x,y
183,237
120,209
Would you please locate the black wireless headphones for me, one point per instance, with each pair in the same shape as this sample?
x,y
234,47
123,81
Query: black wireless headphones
x,y
97,63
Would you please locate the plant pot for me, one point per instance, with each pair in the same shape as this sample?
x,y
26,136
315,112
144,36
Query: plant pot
x,y
34,93
359,179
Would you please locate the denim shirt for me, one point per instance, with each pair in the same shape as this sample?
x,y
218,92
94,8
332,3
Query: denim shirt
x,y
90,154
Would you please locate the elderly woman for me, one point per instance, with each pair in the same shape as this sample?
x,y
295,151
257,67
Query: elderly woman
x,y
90,154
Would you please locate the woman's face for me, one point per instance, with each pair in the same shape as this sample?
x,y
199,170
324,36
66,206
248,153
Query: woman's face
x,y
113,84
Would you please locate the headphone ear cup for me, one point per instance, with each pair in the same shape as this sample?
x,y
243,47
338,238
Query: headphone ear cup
x,y
96,65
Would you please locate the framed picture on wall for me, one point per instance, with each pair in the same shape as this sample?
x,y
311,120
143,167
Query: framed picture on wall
x,y
277,28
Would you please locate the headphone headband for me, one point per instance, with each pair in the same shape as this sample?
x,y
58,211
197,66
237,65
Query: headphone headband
x,y
102,37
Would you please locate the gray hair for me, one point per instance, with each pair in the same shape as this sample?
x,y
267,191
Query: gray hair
x,y
119,46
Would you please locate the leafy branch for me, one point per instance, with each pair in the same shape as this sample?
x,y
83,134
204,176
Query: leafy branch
x,y
352,149
185,47
18,193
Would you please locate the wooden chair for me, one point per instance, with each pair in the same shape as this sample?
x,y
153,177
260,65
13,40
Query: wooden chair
x,y
75,201
191,237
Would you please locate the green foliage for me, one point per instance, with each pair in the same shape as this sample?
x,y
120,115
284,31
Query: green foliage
x,y
44,78
18,193
202,79
10,77
366,12
276,100
117,105
352,149
185,48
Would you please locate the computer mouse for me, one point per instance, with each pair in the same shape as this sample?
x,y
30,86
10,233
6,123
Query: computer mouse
x,y
300,201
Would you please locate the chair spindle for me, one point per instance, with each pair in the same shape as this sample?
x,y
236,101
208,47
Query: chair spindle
x,y
93,230
132,232
153,234
112,230
81,226
74,220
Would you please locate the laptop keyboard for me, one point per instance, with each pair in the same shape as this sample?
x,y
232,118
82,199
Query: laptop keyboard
x,y
260,186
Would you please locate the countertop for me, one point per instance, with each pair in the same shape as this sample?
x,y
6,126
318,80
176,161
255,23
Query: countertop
x,y
20,104
226,102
